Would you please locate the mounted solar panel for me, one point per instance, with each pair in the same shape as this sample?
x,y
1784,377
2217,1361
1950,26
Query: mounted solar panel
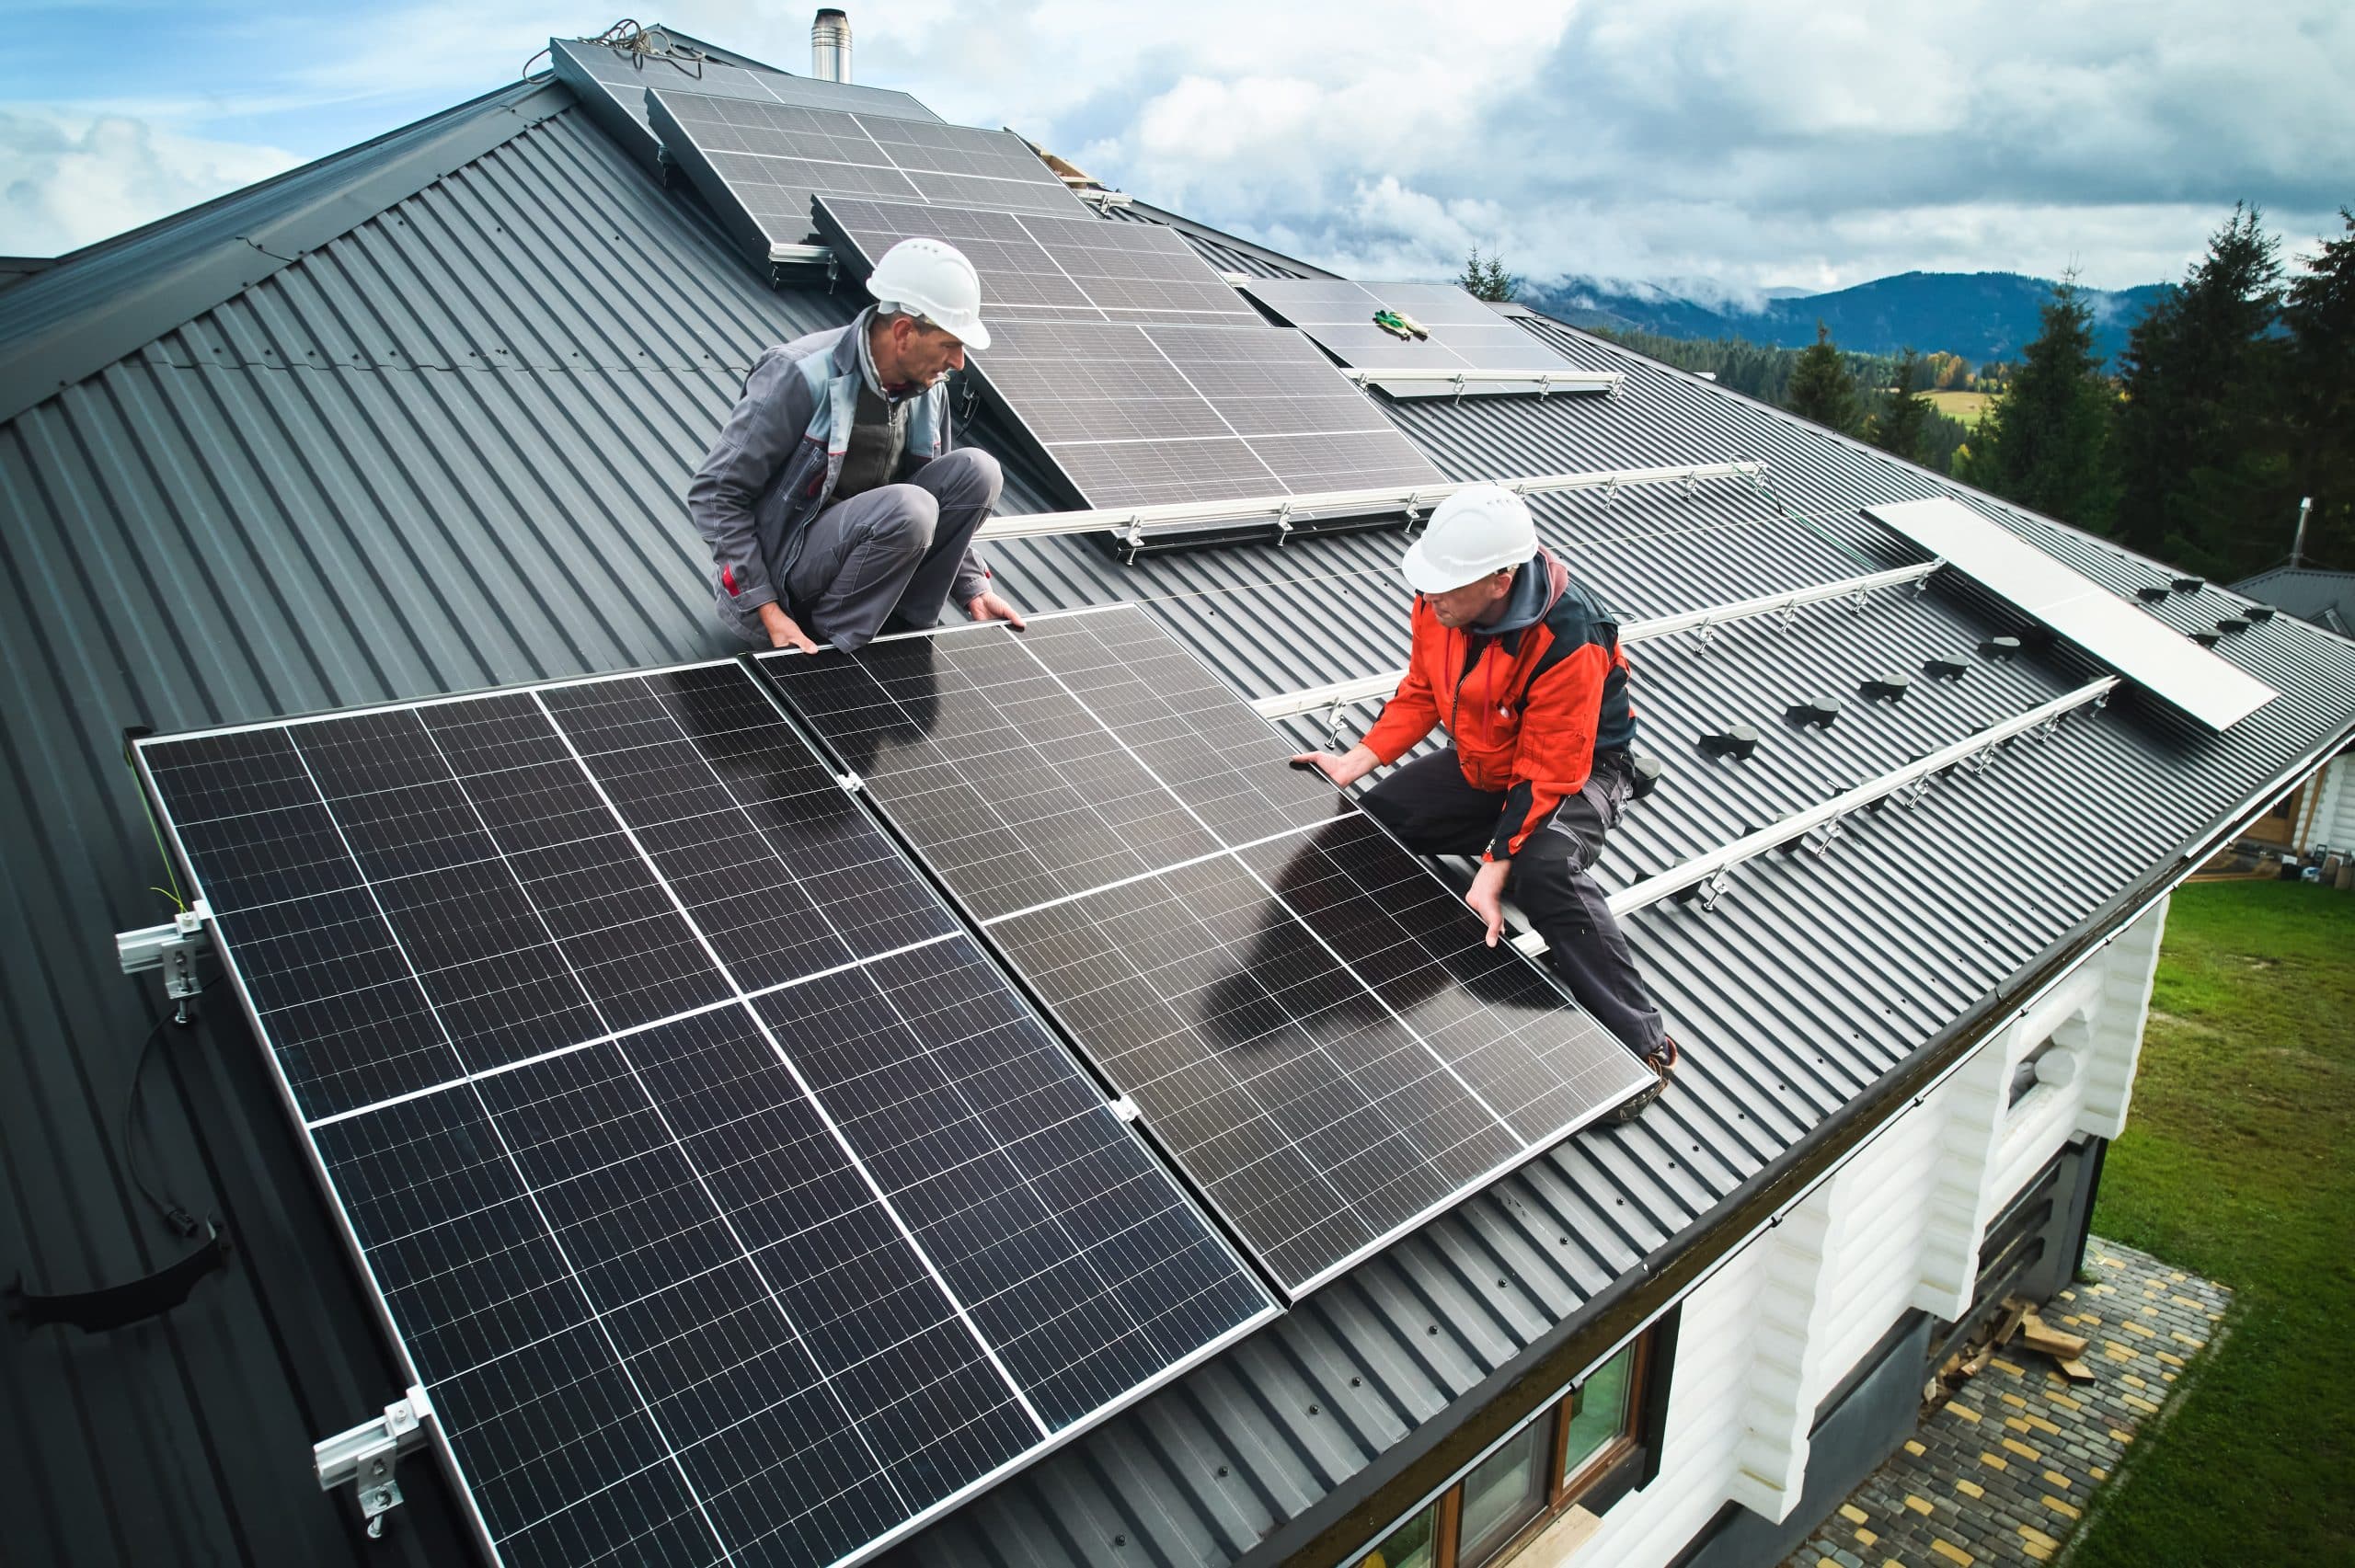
x,y
726,1199
613,83
1463,337
759,164
1305,1017
2112,631
1069,264
1140,415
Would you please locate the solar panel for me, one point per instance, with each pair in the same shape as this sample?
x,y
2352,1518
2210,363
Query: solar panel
x,y
1304,1017
1072,266
717,1186
1140,415
612,84
1465,335
759,164
2115,632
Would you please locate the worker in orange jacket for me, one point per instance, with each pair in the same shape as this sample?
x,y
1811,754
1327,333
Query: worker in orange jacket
x,y
1523,667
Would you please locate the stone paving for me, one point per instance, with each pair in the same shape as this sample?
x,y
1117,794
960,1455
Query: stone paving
x,y
2002,1472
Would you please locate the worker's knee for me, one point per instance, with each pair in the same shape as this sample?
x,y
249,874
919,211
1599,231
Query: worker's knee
x,y
905,518
1540,878
973,472
1383,806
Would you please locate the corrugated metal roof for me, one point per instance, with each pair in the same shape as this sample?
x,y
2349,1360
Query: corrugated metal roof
x,y
447,449
2328,598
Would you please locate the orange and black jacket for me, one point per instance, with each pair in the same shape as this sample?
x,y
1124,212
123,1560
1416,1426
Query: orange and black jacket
x,y
1529,702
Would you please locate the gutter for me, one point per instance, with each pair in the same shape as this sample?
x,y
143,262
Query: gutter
x,y
1355,1514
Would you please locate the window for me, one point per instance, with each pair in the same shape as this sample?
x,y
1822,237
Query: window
x,y
1585,1450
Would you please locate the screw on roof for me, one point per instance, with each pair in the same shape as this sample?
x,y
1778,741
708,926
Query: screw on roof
x,y
1738,742
2001,647
1944,668
1818,712
1888,688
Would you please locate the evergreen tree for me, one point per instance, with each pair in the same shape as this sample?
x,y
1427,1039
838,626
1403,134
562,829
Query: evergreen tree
x,y
1484,278
2320,316
1821,388
2204,468
1899,428
2041,443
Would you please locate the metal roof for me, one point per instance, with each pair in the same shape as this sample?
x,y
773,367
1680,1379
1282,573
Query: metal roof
x,y
2328,598
443,446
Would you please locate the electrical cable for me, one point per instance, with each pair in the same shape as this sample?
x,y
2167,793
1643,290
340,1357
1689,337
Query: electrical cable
x,y
178,1219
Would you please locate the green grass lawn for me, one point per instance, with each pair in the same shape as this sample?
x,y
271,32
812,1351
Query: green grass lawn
x,y
1964,405
2239,1164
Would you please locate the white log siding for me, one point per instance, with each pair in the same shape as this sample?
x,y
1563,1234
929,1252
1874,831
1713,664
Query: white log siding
x,y
1895,1227
2329,811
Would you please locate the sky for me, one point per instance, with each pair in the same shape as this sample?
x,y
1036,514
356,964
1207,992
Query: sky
x,y
1715,147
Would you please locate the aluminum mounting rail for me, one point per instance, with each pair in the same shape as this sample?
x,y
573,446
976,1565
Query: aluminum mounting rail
x,y
1412,499
1545,381
1341,693
1707,872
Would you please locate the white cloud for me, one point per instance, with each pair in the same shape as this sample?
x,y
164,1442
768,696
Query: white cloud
x,y
74,177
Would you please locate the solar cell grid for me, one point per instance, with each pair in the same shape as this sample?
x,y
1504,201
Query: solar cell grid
x,y
1465,334
1307,1018
721,1192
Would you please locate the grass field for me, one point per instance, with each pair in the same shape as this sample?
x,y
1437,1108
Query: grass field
x,y
2239,1163
1964,405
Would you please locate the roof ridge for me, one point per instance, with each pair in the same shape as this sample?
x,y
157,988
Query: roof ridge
x,y
111,299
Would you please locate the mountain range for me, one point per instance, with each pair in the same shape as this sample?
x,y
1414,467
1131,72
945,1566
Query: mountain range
x,y
1980,316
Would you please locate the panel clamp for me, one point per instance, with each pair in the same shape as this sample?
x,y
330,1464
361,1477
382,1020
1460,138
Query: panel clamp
x,y
174,947
1125,1107
850,782
363,1456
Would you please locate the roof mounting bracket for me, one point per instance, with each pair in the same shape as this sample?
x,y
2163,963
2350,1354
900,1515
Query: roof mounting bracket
x,y
363,1456
1834,830
1785,615
1333,723
174,947
1283,523
1412,513
1708,893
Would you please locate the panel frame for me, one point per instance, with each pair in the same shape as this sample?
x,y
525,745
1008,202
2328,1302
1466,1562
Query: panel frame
x,y
1292,1291
1422,368
137,743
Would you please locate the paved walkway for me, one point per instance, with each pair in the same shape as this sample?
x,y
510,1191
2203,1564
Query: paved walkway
x,y
2002,1472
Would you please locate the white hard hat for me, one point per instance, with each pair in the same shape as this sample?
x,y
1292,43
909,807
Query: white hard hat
x,y
1479,530
933,279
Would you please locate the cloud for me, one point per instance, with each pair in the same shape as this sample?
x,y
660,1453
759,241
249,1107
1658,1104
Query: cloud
x,y
74,177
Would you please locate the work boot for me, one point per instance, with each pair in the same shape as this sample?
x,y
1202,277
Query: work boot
x,y
1662,1061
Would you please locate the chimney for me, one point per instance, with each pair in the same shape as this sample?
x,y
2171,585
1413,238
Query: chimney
x,y
830,46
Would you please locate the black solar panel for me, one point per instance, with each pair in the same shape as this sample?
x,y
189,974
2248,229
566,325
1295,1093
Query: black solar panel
x,y
1068,265
764,162
1303,1014
614,83
725,1199
1465,334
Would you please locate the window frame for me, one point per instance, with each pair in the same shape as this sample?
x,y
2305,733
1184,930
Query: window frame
x,y
1617,1467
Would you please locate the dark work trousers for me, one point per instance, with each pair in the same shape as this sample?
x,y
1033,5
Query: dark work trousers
x,y
1434,809
893,553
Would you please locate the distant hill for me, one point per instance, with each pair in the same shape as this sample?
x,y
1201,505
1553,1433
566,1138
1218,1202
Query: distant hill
x,y
1980,316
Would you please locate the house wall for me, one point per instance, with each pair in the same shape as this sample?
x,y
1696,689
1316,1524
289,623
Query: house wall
x,y
2328,821
1895,1230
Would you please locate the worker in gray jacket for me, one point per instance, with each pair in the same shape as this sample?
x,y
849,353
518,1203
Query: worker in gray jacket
x,y
832,502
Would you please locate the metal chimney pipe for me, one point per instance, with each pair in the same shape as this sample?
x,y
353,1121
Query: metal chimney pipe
x,y
830,45
2298,543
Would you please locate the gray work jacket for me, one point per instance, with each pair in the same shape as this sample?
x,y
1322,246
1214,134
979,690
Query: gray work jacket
x,y
773,468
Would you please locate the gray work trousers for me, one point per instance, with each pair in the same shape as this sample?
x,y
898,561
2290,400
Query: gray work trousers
x,y
1432,808
892,553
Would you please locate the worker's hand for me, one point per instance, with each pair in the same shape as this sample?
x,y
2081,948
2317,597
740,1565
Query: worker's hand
x,y
782,631
1344,770
1486,896
987,606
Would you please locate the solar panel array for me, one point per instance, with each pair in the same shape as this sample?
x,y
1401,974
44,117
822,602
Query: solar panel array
x,y
1305,1018
769,159
614,82
725,1199
1465,335
1074,266
1139,415
2122,636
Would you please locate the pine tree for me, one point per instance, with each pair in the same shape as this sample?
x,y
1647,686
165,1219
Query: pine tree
x,y
2200,450
2320,410
1899,428
1484,278
2041,443
1821,389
